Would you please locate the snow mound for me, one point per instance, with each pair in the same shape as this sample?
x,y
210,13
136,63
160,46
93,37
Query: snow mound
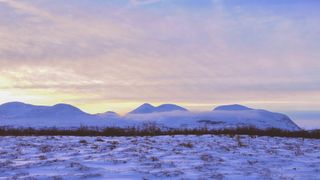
x,y
148,108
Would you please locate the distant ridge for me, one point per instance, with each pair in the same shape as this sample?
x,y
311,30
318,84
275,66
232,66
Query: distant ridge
x,y
58,110
13,109
232,107
17,114
23,110
107,114
143,109
148,108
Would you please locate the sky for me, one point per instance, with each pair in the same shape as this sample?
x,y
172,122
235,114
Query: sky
x,y
117,54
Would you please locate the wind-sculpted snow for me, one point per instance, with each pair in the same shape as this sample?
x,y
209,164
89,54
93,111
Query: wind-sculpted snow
x,y
169,116
162,157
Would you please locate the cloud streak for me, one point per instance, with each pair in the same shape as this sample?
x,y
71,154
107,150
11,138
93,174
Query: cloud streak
x,y
132,52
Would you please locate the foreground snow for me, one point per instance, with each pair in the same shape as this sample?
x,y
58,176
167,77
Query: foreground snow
x,y
174,157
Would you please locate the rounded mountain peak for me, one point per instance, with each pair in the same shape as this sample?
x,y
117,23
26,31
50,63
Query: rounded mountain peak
x,y
148,108
14,104
232,107
108,114
144,108
170,107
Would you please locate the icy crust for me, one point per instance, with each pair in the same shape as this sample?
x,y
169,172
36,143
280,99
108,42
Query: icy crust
x,y
163,157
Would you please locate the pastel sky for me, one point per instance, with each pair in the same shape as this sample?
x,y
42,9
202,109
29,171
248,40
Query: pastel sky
x,y
116,54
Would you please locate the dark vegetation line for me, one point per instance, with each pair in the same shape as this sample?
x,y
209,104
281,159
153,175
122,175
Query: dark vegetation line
x,y
152,130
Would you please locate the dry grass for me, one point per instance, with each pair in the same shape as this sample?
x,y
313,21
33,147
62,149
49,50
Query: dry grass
x,y
153,130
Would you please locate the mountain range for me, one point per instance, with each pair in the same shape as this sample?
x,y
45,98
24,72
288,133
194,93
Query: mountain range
x,y
148,108
18,114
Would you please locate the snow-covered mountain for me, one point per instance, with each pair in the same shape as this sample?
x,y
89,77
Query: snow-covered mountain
x,y
19,114
227,116
56,111
144,108
233,107
168,115
256,117
148,108
22,110
108,114
14,109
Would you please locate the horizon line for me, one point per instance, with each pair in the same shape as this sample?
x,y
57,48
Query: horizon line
x,y
214,105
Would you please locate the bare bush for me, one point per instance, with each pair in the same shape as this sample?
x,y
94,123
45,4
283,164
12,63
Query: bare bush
x,y
99,139
82,141
152,129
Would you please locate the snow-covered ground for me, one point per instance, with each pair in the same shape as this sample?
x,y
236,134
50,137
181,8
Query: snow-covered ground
x,y
163,157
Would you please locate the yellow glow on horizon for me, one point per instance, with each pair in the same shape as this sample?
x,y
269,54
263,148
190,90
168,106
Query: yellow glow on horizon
x,y
94,102
100,107
100,63
5,82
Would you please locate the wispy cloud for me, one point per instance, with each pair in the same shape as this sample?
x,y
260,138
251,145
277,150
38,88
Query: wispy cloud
x,y
131,53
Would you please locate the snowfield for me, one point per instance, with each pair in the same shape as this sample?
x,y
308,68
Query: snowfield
x,y
162,157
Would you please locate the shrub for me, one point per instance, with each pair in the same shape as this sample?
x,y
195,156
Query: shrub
x,y
153,130
82,141
99,139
